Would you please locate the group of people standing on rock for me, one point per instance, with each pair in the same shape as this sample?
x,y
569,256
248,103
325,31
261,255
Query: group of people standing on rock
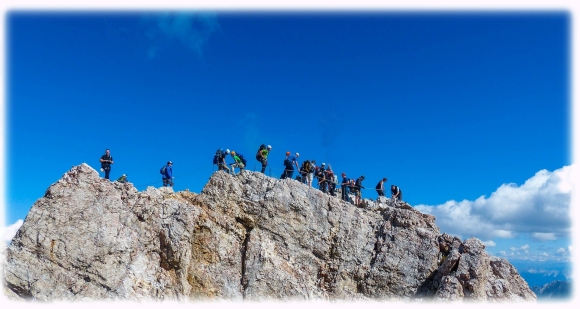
x,y
166,171
327,179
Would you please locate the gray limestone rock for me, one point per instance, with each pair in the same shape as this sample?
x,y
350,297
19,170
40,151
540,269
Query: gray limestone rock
x,y
244,237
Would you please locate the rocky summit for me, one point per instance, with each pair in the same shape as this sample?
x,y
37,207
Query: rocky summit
x,y
244,237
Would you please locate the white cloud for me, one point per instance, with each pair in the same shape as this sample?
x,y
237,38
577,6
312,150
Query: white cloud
x,y
544,236
543,271
489,243
503,234
539,208
8,232
561,250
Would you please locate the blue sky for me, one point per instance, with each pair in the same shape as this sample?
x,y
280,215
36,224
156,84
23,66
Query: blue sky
x,y
469,113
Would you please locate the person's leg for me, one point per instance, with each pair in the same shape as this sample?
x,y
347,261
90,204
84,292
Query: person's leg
x,y
264,164
107,170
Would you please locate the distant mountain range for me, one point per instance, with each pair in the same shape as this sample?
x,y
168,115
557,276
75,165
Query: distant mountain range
x,y
554,289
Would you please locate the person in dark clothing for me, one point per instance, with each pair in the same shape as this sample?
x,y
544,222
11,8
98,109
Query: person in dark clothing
x,y
396,193
106,161
320,174
222,165
381,187
329,177
357,188
168,175
344,187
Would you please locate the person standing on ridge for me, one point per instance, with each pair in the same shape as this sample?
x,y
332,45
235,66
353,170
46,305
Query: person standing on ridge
x,y
358,190
289,163
305,170
167,172
106,161
329,177
320,176
310,174
344,187
220,160
381,187
262,156
396,193
238,162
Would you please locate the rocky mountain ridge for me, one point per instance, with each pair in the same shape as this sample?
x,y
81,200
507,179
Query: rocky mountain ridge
x,y
244,237
556,289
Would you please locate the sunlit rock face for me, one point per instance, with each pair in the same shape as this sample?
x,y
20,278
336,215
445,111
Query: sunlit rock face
x,y
244,237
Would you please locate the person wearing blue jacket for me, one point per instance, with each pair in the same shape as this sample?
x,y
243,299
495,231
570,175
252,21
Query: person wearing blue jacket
x,y
168,175
289,163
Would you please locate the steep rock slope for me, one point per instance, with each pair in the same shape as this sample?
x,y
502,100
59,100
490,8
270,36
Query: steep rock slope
x,y
243,237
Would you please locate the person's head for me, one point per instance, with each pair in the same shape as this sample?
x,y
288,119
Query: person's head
x,y
343,175
392,186
227,151
287,153
297,155
313,162
323,164
384,179
107,151
233,153
269,147
362,177
169,163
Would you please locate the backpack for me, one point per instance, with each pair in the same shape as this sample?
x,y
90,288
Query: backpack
x,y
258,155
241,156
163,169
330,174
217,157
307,167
